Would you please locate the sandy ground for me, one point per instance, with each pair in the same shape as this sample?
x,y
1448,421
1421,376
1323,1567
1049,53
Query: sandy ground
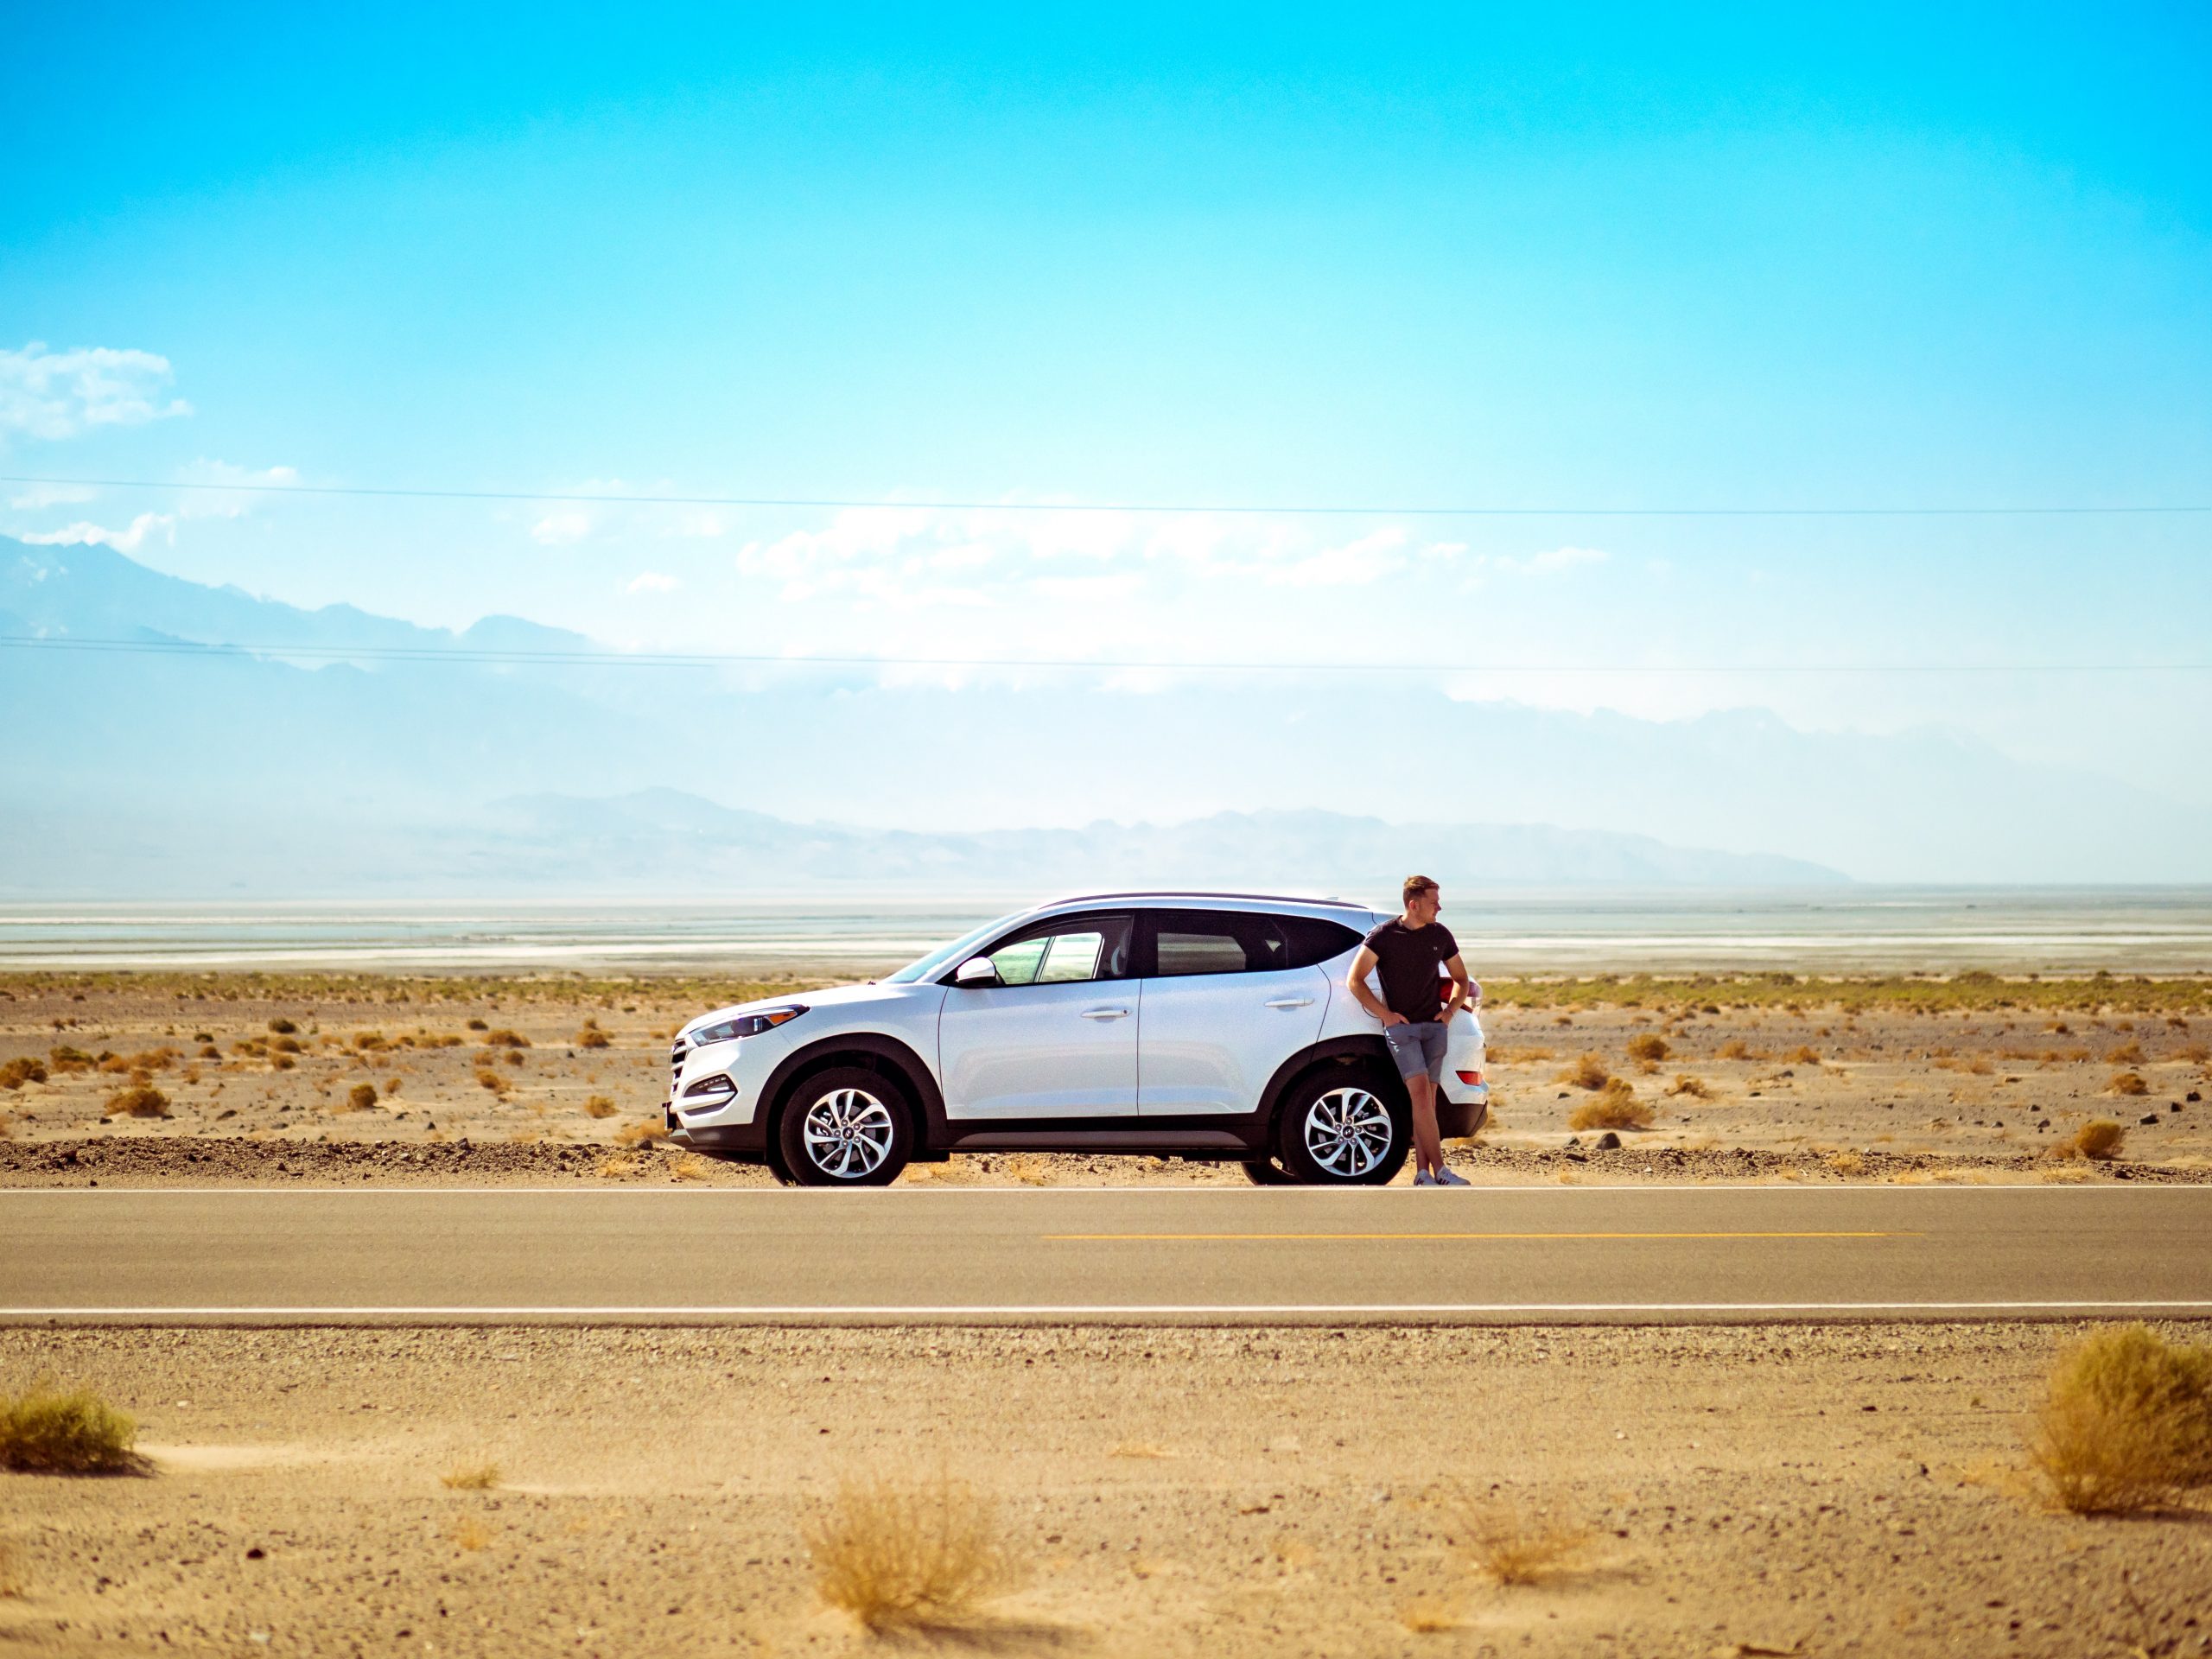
x,y
1810,1093
1806,1490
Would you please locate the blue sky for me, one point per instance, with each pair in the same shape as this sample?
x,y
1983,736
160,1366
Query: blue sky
x,y
1589,256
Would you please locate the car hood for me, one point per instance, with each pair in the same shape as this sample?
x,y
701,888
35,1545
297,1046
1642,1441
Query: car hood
x,y
829,997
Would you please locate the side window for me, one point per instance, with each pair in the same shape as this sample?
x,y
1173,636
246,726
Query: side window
x,y
1312,941
1066,952
1187,942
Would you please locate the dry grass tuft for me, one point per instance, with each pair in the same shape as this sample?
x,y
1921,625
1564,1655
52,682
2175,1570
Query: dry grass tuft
x,y
1588,1072
17,1073
1648,1046
479,1477
361,1097
1802,1055
2127,1083
1615,1107
1697,1087
689,1167
2125,1422
2100,1140
916,1558
488,1078
642,1135
590,1036
1030,1169
1737,1049
1513,1547
599,1106
2126,1054
140,1100
1845,1163
470,1533
621,1164
44,1430
1430,1618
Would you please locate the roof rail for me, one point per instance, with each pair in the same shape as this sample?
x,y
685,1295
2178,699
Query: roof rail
x,y
1196,893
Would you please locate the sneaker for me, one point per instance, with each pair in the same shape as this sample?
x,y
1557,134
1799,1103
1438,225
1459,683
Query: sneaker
x,y
1446,1178
1424,1178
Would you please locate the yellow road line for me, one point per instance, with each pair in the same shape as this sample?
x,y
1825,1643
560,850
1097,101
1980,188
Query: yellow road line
x,y
1066,1238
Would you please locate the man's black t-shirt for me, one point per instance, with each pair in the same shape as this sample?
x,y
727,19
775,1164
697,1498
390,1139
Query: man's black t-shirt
x,y
1407,959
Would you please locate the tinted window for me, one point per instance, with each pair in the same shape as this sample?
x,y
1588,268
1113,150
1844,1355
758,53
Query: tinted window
x,y
1065,951
1312,941
1187,942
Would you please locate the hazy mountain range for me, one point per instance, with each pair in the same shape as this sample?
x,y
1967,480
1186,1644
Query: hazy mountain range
x,y
141,773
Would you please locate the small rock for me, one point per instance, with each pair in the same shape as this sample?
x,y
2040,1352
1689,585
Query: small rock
x,y
257,1553
2148,1118
1607,1142
2193,1097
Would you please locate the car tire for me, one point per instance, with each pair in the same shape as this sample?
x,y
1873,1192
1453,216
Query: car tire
x,y
847,1126
1265,1172
1345,1126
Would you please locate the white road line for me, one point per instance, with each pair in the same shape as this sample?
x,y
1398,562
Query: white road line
x,y
1079,1309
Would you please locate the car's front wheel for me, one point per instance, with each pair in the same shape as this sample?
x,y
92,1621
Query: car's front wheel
x,y
1343,1128
846,1127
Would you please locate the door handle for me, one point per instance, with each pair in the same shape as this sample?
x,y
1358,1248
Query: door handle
x,y
1290,1003
1105,1014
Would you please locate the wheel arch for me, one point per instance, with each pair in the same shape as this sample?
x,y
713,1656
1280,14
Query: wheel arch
x,y
1365,1050
878,1051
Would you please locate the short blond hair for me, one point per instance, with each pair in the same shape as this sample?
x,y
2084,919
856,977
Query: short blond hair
x,y
1416,886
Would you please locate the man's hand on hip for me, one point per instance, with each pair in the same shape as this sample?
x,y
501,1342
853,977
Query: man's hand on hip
x,y
1392,1017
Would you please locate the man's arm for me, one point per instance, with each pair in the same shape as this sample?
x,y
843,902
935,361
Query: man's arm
x,y
1460,984
1362,993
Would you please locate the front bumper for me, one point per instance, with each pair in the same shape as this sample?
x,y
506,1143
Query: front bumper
x,y
742,1143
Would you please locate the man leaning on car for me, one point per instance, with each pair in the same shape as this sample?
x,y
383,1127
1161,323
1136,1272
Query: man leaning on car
x,y
1408,948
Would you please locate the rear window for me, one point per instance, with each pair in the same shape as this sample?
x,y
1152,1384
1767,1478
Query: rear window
x,y
1185,942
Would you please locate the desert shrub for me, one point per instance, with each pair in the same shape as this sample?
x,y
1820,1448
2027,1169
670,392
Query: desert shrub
x,y
1802,1055
642,1135
66,1058
620,1164
2126,1421
1588,1072
911,1558
17,1073
283,1027
1696,1088
689,1167
473,1478
1648,1046
2127,1083
478,1025
285,1045
1736,1049
1513,1547
361,1097
505,1038
592,1037
44,1430
599,1106
486,1079
2100,1140
140,1100
1614,1107
209,1051
2126,1054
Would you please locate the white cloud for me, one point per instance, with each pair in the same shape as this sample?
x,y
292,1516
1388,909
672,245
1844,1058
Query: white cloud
x,y
229,503
652,582
123,541
53,395
33,496
1555,562
561,528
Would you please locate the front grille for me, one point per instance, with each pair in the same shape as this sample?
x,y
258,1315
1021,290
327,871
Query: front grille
x,y
676,1051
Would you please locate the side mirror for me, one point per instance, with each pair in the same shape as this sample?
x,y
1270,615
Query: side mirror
x,y
976,973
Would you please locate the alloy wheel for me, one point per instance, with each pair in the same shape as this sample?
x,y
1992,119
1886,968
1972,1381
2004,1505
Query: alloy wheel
x,y
1347,1132
847,1134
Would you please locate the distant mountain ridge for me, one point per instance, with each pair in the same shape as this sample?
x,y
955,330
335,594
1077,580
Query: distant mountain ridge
x,y
125,774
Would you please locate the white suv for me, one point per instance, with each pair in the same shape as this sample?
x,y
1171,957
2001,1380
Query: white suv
x,y
1194,1024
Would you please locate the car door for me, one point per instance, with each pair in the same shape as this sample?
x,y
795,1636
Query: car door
x,y
1225,1002
1057,1036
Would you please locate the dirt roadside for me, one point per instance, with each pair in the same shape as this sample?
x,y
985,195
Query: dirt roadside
x,y
471,1082
1806,1490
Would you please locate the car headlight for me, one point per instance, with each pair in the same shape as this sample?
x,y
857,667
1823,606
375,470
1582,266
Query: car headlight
x,y
746,1024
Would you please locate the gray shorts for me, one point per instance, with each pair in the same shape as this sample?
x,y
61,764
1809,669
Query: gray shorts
x,y
1418,1046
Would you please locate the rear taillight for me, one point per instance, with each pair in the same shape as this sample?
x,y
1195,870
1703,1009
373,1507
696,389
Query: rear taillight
x,y
1471,1079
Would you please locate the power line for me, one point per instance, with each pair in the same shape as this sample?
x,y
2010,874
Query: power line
x,y
1247,509
483,656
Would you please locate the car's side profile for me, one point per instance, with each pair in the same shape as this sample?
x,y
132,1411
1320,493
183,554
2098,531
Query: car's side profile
x,y
1212,1025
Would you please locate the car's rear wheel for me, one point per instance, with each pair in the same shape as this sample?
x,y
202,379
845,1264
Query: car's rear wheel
x,y
846,1127
1343,1128
1265,1172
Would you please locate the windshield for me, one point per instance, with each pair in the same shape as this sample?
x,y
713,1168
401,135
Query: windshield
x,y
958,951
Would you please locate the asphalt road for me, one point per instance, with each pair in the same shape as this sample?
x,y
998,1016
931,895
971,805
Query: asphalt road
x,y
1486,1255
